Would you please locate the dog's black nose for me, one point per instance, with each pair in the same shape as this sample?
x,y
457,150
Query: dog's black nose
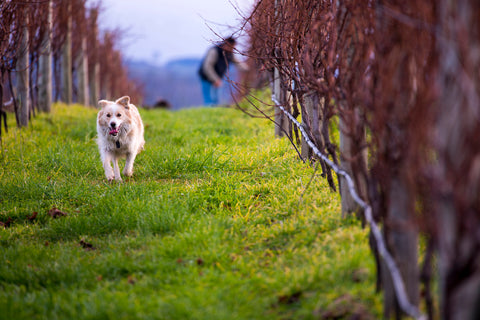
x,y
113,125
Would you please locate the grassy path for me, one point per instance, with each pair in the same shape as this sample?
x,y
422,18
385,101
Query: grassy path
x,y
211,226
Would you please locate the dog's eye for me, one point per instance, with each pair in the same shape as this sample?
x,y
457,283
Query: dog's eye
x,y
108,115
119,115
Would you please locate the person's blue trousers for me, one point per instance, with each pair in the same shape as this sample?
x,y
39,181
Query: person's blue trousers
x,y
210,93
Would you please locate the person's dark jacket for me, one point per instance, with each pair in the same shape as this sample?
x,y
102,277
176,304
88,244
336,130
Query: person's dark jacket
x,y
215,64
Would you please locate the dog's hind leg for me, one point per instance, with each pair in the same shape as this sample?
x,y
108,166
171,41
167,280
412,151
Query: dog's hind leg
x,y
128,170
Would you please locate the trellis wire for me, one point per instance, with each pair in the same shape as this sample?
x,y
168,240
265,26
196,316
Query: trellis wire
x,y
397,280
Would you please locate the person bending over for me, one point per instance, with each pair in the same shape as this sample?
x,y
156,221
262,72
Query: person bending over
x,y
213,68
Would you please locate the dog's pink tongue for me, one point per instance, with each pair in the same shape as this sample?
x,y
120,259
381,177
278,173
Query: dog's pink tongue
x,y
113,131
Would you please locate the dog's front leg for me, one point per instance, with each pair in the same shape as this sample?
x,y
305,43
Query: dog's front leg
x,y
128,170
108,167
116,169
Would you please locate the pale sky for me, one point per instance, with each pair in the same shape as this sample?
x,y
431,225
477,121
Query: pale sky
x,y
161,30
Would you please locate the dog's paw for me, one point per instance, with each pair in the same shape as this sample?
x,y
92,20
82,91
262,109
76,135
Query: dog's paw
x,y
128,173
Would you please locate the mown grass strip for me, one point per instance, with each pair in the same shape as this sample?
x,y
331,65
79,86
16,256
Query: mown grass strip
x,y
211,225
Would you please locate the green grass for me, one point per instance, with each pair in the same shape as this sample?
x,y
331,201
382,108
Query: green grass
x,y
212,225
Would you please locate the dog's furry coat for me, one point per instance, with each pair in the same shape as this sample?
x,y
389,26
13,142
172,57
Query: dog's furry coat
x,y
120,134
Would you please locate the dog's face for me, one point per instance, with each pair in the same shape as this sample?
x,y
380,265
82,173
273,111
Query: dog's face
x,y
114,115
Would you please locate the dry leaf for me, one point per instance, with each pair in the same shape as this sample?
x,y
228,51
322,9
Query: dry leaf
x,y
33,216
290,299
7,223
87,246
55,213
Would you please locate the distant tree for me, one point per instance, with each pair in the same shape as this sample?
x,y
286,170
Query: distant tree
x,y
113,73
36,37
93,55
66,57
22,69
10,37
80,51
45,59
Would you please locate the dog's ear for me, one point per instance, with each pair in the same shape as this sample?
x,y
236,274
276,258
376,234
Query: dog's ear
x,y
103,103
124,101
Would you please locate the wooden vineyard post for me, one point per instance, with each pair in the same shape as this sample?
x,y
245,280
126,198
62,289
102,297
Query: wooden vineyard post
x,y
347,155
307,121
402,236
281,120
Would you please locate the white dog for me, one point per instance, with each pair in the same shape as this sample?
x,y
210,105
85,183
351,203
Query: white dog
x,y
120,134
